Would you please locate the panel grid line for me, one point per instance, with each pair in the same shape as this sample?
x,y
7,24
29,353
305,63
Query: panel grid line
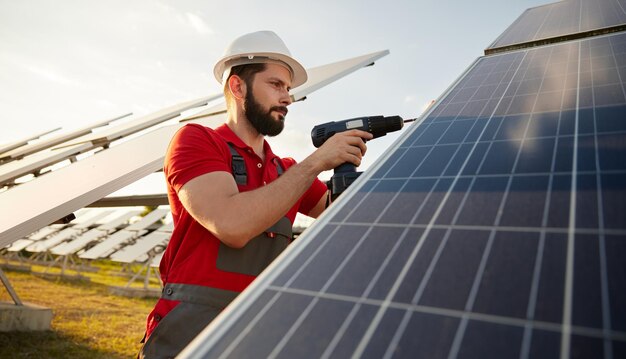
x,y
555,230
453,313
269,304
496,175
312,304
505,196
342,330
606,309
569,264
532,301
375,322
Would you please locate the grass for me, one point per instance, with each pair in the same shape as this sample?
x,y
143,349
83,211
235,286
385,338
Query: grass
x,y
88,321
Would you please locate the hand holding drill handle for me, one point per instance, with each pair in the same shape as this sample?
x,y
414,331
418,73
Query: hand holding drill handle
x,y
346,173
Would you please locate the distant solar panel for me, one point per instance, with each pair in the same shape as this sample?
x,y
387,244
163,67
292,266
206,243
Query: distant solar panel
x,y
4,148
561,19
41,145
493,229
96,176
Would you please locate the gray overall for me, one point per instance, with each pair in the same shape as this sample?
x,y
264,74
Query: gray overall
x,y
199,305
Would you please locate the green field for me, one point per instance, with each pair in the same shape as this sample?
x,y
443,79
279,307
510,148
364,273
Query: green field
x,y
88,321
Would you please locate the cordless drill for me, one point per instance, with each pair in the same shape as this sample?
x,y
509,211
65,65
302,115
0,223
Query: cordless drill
x,y
346,173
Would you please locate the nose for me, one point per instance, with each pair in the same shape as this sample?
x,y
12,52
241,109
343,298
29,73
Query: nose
x,y
286,98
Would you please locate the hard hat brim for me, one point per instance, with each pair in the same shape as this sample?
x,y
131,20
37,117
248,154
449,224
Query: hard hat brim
x,y
299,75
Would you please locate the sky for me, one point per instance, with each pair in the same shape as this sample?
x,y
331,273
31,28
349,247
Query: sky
x,y
67,64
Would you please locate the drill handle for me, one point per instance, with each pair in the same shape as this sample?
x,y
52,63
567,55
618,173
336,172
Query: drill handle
x,y
345,168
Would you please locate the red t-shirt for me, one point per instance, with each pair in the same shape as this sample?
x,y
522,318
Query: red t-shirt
x,y
192,250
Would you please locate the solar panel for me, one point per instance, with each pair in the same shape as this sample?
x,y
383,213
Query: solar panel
x,y
557,21
6,147
494,228
38,161
142,123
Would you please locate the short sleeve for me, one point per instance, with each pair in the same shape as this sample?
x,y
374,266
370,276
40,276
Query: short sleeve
x,y
193,151
312,196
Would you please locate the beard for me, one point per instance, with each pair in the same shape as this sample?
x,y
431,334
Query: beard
x,y
262,120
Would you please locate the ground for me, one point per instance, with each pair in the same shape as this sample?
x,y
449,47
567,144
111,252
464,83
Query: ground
x,y
88,321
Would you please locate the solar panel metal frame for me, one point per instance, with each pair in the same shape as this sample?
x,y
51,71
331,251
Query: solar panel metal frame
x,y
142,123
34,163
23,142
497,47
61,138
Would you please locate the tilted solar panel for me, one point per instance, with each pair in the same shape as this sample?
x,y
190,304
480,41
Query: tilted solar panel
x,y
556,21
494,228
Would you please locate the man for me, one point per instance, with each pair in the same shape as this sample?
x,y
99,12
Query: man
x,y
233,200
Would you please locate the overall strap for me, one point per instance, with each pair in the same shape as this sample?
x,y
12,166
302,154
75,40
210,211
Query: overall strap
x,y
279,167
238,166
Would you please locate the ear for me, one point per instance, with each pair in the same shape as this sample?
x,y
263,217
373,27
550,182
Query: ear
x,y
237,87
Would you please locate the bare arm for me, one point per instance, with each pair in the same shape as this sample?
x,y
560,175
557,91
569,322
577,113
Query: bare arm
x,y
236,217
320,206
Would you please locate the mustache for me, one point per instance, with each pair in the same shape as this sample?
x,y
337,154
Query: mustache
x,y
280,108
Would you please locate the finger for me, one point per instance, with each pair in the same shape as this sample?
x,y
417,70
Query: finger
x,y
358,142
355,151
363,134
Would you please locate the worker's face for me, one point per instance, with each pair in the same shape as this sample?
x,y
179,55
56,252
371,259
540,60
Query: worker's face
x,y
267,98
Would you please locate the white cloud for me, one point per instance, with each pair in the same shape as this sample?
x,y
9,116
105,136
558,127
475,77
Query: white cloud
x,y
198,24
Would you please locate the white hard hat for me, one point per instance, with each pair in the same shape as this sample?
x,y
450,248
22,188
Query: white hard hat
x,y
259,47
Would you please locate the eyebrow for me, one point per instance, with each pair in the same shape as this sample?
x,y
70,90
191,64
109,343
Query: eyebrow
x,y
273,78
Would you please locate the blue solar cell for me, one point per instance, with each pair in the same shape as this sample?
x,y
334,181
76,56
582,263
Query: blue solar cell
x,y
430,205
615,249
587,306
329,258
425,336
559,200
411,286
544,344
610,119
586,347
551,258
504,341
354,331
454,201
614,200
407,163
483,202
325,312
401,252
528,192
458,261
535,156
436,161
587,201
457,132
404,207
356,275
